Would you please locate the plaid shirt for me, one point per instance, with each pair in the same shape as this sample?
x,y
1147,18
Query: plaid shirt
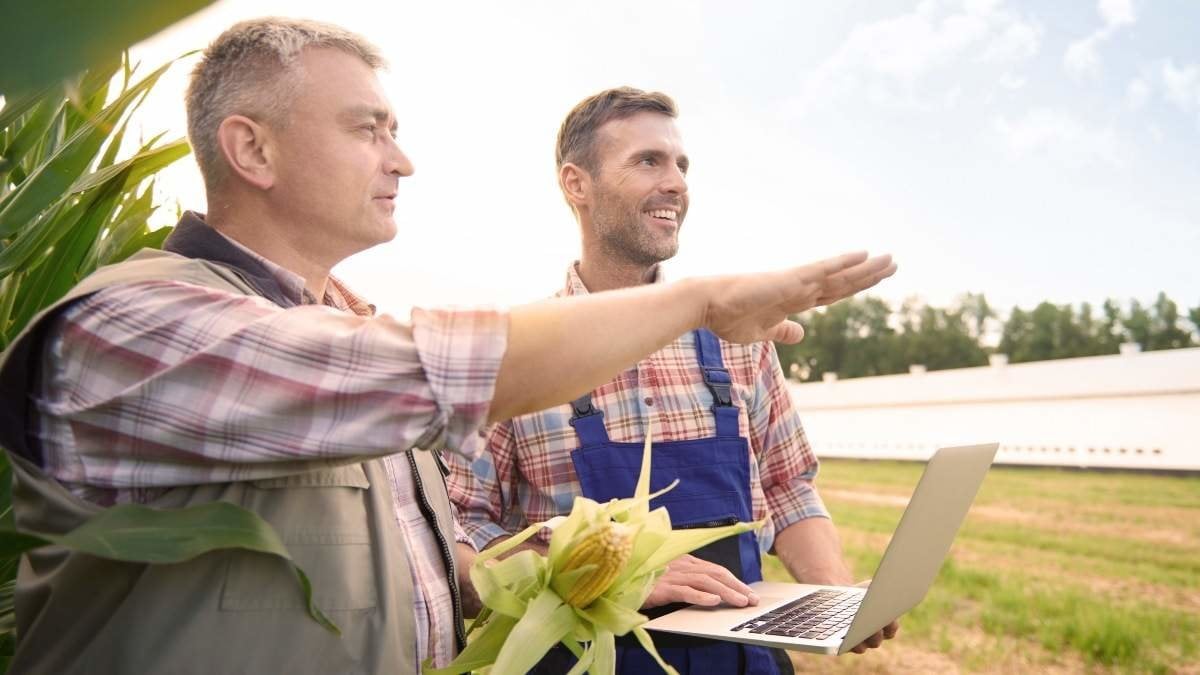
x,y
158,384
527,474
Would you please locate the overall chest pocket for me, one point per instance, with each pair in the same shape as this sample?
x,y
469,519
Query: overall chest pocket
x,y
322,517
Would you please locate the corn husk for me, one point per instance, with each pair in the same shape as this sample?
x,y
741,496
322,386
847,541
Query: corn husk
x,y
525,613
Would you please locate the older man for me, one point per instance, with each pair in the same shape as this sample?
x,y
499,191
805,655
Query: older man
x,y
232,366
724,423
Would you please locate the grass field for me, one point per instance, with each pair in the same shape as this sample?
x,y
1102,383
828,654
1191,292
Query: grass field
x,y
1054,571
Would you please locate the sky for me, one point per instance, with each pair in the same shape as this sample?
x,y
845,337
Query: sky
x,y
1028,151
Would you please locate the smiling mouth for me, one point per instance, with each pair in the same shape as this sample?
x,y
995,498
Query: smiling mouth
x,y
670,215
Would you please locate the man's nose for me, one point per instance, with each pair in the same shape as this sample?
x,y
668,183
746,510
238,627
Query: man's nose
x,y
397,162
675,182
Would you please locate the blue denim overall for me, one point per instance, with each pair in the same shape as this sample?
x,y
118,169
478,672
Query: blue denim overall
x,y
714,489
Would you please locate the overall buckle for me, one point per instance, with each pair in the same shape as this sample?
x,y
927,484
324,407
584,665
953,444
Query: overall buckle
x,y
721,385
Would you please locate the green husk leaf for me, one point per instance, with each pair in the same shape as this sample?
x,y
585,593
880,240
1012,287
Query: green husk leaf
x,y
528,588
644,640
613,617
547,620
585,661
480,651
685,541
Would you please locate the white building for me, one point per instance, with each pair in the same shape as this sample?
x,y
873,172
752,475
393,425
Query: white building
x,y
1133,410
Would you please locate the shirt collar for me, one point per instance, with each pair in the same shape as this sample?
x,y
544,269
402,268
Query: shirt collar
x,y
575,283
194,238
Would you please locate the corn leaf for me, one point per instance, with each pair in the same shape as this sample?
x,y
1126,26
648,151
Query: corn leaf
x,y
33,130
42,42
528,588
587,661
644,640
16,106
546,621
140,534
51,180
480,651
685,541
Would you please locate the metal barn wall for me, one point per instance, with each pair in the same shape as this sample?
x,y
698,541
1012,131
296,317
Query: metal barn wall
x,y
1136,410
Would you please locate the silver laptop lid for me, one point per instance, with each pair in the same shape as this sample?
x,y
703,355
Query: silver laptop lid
x,y
923,538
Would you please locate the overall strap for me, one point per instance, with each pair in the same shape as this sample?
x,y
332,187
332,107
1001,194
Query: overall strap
x,y
588,421
718,381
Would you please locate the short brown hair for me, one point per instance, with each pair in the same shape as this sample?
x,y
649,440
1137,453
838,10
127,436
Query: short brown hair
x,y
577,135
252,69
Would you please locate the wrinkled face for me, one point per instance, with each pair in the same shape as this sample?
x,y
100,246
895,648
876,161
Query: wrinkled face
x,y
339,163
639,197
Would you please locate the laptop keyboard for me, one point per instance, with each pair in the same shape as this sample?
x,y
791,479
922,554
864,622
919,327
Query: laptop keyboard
x,y
815,616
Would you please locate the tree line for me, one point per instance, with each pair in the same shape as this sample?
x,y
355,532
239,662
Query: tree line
x,y
865,336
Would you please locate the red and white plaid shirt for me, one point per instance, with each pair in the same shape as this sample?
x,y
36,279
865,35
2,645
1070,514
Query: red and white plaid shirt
x,y
158,384
527,475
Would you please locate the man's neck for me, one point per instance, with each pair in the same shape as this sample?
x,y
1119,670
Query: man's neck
x,y
261,234
599,273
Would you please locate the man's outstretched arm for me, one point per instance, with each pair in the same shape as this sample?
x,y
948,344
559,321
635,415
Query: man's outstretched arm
x,y
558,349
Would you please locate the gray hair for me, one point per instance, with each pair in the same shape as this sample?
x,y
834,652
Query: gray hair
x,y
252,70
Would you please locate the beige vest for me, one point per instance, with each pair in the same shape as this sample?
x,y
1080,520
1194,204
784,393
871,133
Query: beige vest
x,y
227,611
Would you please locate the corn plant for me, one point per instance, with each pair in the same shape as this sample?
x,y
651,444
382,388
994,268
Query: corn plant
x,y
73,198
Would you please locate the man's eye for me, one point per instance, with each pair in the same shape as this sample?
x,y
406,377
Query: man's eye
x,y
369,128
649,161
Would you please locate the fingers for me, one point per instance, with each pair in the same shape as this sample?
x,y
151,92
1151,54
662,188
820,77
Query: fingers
x,y
700,582
870,643
712,572
844,261
889,631
855,279
831,280
788,332
691,596
728,594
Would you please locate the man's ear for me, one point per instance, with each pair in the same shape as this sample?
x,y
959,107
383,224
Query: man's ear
x,y
576,185
246,147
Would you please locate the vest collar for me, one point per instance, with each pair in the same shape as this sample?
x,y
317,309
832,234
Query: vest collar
x,y
194,238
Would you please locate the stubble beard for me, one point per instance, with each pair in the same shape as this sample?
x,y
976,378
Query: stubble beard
x,y
623,237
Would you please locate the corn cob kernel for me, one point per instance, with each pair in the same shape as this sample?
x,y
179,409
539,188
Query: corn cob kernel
x,y
606,545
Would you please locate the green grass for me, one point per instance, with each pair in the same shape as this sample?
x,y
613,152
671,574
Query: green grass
x,y
1085,571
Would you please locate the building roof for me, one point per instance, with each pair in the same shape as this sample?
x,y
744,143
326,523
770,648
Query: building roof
x,y
1173,371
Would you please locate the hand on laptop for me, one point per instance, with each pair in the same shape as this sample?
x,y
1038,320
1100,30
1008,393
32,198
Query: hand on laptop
x,y
699,582
888,632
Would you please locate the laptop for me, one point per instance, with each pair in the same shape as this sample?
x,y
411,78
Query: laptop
x,y
835,619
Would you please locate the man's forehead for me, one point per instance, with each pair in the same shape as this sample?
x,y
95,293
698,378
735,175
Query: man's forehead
x,y
365,110
640,129
342,79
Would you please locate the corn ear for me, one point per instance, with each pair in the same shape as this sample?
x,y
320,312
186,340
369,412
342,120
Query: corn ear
x,y
603,562
605,546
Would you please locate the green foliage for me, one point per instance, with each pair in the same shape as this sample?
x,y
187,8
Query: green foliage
x,y
1057,332
67,205
44,42
70,201
864,336
135,533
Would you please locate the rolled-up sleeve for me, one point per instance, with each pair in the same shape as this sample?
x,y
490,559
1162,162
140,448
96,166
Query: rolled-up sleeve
x,y
158,384
787,465
460,352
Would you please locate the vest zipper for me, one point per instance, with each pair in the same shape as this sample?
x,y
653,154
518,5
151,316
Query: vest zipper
x,y
460,634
